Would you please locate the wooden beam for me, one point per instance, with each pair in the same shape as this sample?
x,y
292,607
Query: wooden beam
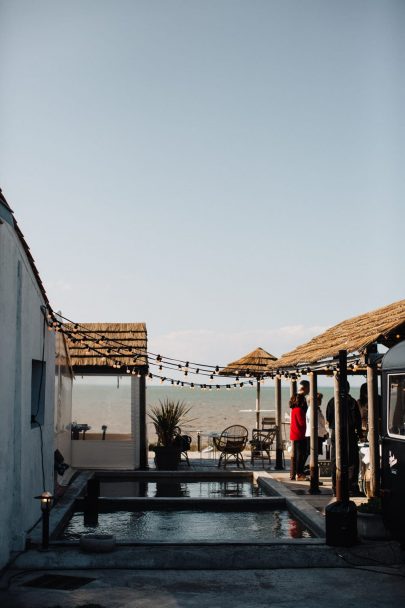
x,y
258,404
373,436
335,435
313,462
279,443
341,420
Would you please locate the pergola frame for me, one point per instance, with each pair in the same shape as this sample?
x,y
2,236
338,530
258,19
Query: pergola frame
x,y
84,363
325,355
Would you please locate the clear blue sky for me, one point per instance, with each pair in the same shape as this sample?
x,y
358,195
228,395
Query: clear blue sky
x,y
230,172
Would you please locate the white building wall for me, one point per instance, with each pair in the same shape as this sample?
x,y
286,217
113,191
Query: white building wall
x,y
22,337
63,400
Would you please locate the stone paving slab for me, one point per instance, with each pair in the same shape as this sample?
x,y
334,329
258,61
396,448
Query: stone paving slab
x,y
374,587
297,553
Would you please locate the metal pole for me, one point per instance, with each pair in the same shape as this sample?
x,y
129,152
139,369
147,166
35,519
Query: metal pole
x,y
258,404
372,401
279,442
313,462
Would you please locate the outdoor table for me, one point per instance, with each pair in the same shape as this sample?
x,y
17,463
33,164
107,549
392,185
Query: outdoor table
x,y
211,448
76,429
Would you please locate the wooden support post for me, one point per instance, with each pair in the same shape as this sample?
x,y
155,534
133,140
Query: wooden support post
x,y
336,453
372,401
279,441
258,404
138,421
341,434
313,462
341,516
143,447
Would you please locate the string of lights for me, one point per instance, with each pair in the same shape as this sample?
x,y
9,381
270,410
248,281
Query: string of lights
x,y
193,385
112,349
81,335
76,330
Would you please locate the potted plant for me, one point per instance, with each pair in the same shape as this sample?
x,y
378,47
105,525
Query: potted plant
x,y
167,418
370,523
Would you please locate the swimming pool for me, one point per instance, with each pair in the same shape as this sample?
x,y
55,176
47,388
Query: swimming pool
x,y
189,525
142,507
182,487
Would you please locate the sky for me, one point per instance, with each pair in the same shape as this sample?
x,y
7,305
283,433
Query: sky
x,y
229,172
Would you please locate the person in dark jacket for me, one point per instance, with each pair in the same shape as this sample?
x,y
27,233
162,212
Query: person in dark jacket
x,y
354,435
298,407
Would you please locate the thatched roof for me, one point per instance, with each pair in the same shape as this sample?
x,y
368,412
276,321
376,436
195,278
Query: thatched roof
x,y
125,343
385,325
255,363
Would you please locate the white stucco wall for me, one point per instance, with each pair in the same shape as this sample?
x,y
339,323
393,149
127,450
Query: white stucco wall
x,y
21,341
63,400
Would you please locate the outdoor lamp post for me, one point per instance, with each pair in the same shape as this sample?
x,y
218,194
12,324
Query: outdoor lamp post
x,y
46,499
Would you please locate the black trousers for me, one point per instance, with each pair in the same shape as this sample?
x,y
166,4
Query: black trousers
x,y
320,442
298,457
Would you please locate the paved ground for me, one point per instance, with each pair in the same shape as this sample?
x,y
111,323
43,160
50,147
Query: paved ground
x,y
310,588
373,585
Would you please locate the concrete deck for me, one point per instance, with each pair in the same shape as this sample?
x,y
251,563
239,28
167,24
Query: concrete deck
x,y
373,587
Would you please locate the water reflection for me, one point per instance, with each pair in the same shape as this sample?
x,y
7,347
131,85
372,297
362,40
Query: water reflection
x,y
180,489
190,525
171,489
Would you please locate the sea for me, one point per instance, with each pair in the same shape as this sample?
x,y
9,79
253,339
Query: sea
x,y
109,403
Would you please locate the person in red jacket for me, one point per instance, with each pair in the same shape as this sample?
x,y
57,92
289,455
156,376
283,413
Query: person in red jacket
x,y
298,407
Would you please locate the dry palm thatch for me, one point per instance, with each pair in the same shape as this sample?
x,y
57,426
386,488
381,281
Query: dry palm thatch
x,y
254,364
103,345
385,325
62,354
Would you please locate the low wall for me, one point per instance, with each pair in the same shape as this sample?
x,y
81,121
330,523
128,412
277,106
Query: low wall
x,y
99,454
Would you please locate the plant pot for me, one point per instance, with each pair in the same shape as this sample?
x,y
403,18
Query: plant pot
x,y
167,458
371,526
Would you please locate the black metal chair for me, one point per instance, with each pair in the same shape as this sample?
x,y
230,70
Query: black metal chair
x,y
261,444
184,443
231,444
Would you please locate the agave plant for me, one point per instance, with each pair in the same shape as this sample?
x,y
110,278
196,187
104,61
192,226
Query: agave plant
x,y
167,417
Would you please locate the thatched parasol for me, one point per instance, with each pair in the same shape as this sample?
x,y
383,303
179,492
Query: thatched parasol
x,y
254,365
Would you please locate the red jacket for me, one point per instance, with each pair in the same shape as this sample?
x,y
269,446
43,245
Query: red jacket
x,y
298,424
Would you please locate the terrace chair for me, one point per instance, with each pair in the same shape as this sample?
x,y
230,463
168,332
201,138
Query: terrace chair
x,y
231,444
268,422
184,443
261,444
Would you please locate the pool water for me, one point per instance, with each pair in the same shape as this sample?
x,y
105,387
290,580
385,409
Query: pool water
x,y
182,488
172,526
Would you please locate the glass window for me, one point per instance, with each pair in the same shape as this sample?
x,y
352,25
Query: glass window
x,y
38,373
396,409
